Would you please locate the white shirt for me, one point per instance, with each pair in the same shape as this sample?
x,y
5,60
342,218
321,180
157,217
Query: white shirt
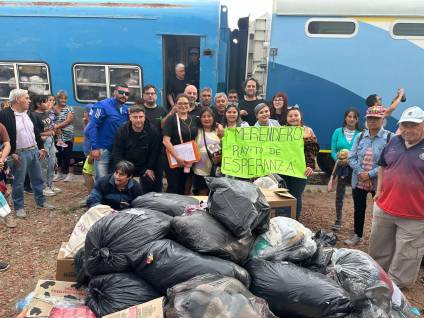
x,y
25,136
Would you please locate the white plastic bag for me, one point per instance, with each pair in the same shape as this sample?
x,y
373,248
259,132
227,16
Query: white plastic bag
x,y
77,239
4,206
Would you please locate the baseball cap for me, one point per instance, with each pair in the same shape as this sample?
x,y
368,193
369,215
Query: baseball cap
x,y
412,114
375,111
194,50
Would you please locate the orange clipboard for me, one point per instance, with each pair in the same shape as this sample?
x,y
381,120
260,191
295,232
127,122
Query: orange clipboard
x,y
187,150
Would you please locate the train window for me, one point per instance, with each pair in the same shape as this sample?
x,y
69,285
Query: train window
x,y
408,30
95,82
339,28
33,77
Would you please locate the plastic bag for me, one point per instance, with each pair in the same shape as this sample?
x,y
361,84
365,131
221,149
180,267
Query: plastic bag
x,y
325,238
113,237
293,291
165,263
360,275
268,182
239,205
71,312
4,206
214,295
286,240
202,233
82,276
320,261
168,203
115,292
77,239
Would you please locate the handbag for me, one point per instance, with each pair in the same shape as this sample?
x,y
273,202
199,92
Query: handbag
x,y
332,183
215,169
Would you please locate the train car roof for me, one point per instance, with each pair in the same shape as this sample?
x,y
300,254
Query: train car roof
x,y
398,8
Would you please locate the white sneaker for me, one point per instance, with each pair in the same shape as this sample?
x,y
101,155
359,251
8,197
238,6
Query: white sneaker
x,y
354,240
48,192
55,189
20,213
69,177
57,177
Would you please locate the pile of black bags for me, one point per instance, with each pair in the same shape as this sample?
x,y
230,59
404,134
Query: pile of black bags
x,y
225,259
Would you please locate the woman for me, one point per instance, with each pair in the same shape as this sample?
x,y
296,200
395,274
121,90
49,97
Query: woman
x,y
232,117
65,133
208,144
263,114
117,190
278,108
178,128
341,142
363,159
295,185
41,107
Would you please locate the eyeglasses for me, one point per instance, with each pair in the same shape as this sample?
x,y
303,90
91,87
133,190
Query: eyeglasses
x,y
123,93
293,107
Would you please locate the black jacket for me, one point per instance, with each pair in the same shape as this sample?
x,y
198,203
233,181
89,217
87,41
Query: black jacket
x,y
142,149
7,118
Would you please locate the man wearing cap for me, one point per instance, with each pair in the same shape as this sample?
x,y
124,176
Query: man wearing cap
x,y
193,68
363,159
397,234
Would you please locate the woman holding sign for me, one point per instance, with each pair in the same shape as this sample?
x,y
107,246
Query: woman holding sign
x,y
263,114
208,144
295,185
232,117
179,128
279,107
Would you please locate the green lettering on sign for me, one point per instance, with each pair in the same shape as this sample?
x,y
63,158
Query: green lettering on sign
x,y
250,152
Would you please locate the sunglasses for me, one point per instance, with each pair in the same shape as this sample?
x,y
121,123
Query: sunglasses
x,y
123,93
293,107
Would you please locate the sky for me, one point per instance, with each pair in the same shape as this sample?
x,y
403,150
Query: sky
x,y
244,8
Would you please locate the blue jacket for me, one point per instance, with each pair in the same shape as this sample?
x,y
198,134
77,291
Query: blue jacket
x,y
105,118
105,192
359,148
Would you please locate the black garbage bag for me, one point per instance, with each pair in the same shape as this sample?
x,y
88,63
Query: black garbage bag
x,y
360,275
324,238
114,292
239,205
320,261
293,291
168,203
113,237
202,233
214,295
82,277
165,263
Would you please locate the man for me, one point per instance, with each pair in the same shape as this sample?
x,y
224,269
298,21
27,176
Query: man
x,y
206,97
139,143
376,100
26,150
194,107
176,85
397,234
233,97
221,103
154,113
193,68
105,118
250,101
116,190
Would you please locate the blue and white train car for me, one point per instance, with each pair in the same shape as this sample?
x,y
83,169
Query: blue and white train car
x,y
329,55
87,46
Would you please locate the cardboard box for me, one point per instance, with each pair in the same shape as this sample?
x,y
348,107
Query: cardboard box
x,y
50,292
151,309
65,267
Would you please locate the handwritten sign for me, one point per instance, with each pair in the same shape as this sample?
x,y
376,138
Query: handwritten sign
x,y
258,151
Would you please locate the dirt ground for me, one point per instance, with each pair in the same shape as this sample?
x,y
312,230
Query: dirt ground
x,y
32,247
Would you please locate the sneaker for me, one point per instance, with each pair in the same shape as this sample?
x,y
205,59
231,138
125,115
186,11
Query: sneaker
x,y
69,177
20,213
46,205
61,143
354,240
336,226
55,189
57,177
48,192
4,266
9,221
83,203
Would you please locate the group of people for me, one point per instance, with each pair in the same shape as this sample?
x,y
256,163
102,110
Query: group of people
x,y
122,143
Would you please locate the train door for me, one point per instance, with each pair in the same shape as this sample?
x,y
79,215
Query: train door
x,y
180,49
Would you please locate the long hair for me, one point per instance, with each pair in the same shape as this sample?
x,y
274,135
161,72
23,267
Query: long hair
x,y
351,110
283,118
225,122
207,110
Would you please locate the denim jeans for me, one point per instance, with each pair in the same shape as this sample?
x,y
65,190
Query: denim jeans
x,y
102,166
296,186
49,163
30,164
